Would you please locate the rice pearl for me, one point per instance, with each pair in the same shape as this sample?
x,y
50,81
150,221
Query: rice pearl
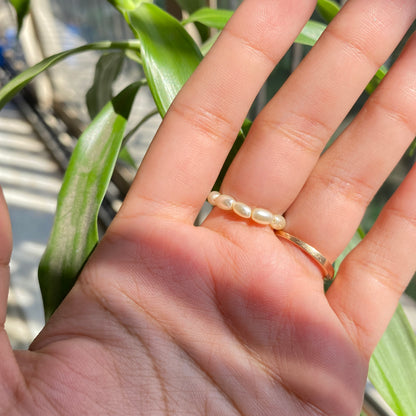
x,y
278,222
242,210
262,216
212,197
225,202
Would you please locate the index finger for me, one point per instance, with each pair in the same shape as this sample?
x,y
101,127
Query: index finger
x,y
198,131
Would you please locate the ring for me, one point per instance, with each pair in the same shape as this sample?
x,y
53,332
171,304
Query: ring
x,y
258,215
324,264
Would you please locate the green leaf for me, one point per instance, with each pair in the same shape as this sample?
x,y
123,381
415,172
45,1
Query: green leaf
x,y
124,155
328,9
168,52
17,83
134,55
126,5
133,131
378,77
107,70
127,158
191,5
234,150
356,239
216,18
169,57
74,233
412,148
22,9
310,33
208,44
393,366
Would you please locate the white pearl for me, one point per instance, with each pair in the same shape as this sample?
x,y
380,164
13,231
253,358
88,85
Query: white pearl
x,y
225,202
212,197
242,209
278,222
261,216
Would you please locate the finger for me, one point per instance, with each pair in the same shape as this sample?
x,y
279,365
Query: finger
x,y
333,201
191,145
5,252
290,133
372,278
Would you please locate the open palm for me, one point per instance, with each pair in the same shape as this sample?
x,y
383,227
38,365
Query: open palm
x,y
227,318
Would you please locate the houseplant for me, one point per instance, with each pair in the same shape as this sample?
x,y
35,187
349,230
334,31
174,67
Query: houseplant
x,y
161,39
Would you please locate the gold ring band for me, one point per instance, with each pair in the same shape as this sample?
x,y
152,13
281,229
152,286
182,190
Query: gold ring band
x,y
324,264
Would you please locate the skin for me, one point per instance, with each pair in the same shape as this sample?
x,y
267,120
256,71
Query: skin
x,y
226,318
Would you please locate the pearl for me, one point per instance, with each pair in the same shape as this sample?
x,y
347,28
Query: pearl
x,y
258,215
225,202
212,197
262,216
242,209
278,222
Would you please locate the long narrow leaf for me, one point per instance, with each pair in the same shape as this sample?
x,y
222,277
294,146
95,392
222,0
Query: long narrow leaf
x,y
191,5
169,57
378,77
245,128
126,4
216,18
133,131
22,9
107,70
310,33
328,9
208,44
168,52
127,158
17,83
74,233
356,239
393,366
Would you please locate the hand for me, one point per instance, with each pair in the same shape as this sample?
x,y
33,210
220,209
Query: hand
x,y
227,318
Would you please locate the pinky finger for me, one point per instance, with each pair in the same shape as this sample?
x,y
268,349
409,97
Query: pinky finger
x,y
373,276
